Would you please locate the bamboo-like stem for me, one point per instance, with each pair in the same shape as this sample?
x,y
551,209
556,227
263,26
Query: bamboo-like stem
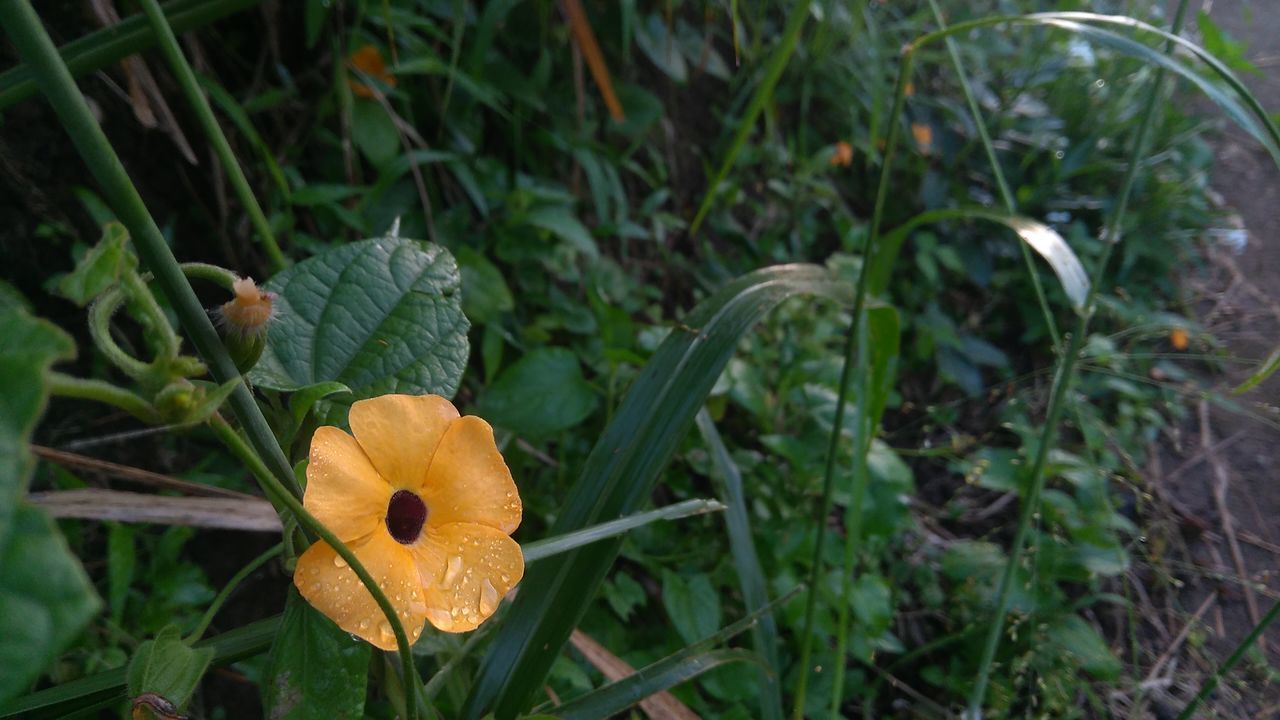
x,y
23,26
200,106
229,588
905,66
242,450
1061,383
104,392
1002,185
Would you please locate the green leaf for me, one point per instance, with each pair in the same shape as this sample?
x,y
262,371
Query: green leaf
x,y
1081,642
315,670
168,667
655,39
746,561
379,316
560,221
692,605
374,132
321,194
871,604
304,399
122,558
30,347
100,268
45,597
485,294
1264,371
620,473
540,395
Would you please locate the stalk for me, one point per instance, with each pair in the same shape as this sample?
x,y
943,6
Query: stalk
x,y
200,106
1061,382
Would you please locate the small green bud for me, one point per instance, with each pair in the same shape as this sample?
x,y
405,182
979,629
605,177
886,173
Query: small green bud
x,y
243,323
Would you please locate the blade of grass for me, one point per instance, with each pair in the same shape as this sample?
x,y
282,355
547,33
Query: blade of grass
x,y
545,548
200,107
772,72
1002,185
1061,382
755,589
905,66
1236,656
109,45
62,700
620,473
878,341
667,672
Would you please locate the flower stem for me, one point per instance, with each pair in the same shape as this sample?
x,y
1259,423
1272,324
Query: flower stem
x,y
272,487
35,48
227,589
103,392
100,314
905,66
215,274
186,77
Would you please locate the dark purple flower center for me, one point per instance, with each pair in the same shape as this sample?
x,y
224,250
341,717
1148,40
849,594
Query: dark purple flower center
x,y
406,513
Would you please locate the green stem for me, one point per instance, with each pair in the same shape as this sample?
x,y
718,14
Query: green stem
x,y
1231,662
215,274
227,589
200,106
1061,382
905,66
103,392
100,314
36,49
1006,195
272,486
138,291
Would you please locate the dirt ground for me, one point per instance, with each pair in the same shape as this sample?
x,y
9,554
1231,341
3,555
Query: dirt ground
x,y
1216,476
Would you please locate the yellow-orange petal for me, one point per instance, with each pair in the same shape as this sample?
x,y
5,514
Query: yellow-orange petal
x,y
330,585
344,490
400,433
466,570
468,481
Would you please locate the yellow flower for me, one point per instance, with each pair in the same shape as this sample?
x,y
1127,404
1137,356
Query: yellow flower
x,y
368,60
843,155
1179,338
923,135
426,502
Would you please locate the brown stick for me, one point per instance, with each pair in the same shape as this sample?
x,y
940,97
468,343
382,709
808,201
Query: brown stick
x,y
133,474
254,514
660,706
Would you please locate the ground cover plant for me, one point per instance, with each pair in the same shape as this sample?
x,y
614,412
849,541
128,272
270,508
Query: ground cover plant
x,y
570,359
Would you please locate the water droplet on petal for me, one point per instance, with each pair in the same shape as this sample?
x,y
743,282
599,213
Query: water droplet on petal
x,y
452,570
364,624
440,618
456,611
338,561
387,633
488,598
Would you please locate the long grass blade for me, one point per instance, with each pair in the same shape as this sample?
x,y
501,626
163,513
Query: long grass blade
x,y
1236,656
111,44
773,71
547,547
620,473
755,589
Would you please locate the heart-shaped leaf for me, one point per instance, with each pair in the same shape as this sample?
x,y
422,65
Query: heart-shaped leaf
x,y
315,671
379,316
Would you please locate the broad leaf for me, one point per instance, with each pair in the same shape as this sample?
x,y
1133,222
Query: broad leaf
x,y
542,394
315,670
379,316
692,605
100,268
168,667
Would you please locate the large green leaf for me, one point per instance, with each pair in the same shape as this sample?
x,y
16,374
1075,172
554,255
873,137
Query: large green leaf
x,y
378,316
542,394
45,599
315,671
168,667
620,473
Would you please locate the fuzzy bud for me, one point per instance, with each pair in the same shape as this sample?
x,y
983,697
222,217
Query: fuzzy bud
x,y
243,321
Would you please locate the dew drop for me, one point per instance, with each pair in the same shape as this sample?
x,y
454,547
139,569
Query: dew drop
x,y
387,633
315,587
488,597
440,618
452,570
505,578
339,562
364,624
456,611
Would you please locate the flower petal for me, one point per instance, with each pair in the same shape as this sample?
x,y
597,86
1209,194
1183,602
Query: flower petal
x,y
344,491
331,586
469,482
466,570
400,433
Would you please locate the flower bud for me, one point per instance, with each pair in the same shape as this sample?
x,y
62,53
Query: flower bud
x,y
243,321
